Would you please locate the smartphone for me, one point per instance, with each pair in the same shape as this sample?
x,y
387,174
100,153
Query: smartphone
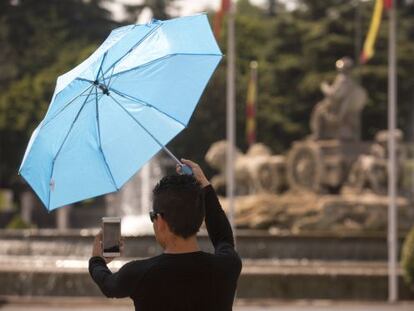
x,y
111,236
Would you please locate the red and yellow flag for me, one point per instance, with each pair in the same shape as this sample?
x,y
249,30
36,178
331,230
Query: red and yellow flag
x,y
368,50
251,105
218,17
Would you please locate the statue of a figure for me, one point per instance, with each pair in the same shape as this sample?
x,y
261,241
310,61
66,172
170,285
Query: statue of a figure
x,y
337,116
370,170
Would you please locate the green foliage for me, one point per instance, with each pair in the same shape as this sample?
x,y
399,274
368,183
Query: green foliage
x,y
407,258
18,223
33,31
40,40
4,201
24,105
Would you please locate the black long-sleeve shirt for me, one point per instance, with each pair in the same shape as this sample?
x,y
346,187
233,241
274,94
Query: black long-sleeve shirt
x,y
187,281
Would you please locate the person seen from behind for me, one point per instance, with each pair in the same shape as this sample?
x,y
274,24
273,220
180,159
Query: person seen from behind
x,y
183,277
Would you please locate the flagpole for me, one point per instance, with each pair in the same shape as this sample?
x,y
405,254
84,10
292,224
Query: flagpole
x,y
392,180
358,39
231,112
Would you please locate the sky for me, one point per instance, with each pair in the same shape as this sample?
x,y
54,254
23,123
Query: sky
x,y
185,7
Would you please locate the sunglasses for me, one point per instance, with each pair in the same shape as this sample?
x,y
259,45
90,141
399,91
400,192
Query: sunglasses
x,y
153,215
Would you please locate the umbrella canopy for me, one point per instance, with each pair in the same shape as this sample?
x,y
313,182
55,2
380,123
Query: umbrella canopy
x,y
113,112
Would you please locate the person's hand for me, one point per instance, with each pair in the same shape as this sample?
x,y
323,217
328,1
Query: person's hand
x,y
98,249
197,171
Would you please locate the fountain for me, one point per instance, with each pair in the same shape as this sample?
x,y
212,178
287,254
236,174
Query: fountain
x,y
330,181
133,202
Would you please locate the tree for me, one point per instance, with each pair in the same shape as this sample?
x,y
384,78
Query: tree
x,y
40,40
296,51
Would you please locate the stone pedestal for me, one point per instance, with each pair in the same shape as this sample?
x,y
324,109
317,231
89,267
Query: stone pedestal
x,y
309,212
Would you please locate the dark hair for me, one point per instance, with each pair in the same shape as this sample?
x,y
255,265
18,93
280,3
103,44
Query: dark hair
x,y
179,199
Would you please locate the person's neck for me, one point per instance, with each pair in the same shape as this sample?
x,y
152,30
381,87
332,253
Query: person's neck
x,y
177,245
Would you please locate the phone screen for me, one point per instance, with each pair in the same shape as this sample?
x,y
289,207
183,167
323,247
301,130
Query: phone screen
x,y
111,231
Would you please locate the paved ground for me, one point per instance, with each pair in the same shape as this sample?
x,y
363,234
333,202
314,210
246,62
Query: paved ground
x,y
124,305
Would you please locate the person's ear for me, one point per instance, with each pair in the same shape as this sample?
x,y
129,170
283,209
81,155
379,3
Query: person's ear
x,y
162,224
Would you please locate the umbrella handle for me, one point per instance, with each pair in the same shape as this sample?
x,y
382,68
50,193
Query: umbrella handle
x,y
185,169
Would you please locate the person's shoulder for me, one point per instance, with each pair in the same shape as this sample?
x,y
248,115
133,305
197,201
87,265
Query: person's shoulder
x,y
141,264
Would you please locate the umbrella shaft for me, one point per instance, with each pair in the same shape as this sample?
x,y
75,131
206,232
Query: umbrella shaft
x,y
171,155
149,133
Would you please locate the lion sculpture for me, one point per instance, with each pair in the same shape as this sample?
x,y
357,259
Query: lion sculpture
x,y
256,171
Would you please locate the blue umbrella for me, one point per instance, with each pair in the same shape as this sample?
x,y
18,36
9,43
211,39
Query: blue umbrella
x,y
109,115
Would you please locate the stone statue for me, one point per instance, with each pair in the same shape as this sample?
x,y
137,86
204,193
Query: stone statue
x,y
337,116
256,171
370,172
267,171
331,181
216,158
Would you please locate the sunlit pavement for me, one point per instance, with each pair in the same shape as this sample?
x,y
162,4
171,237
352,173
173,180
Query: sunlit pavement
x,y
68,304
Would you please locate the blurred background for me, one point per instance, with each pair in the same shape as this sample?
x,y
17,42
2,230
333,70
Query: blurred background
x,y
311,185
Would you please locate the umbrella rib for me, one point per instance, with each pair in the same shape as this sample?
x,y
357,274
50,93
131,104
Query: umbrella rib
x,y
100,67
85,80
110,77
100,142
139,101
64,140
133,47
66,106
139,123
159,59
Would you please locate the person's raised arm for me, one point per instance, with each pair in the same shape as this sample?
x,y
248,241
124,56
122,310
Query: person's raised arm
x,y
111,284
218,226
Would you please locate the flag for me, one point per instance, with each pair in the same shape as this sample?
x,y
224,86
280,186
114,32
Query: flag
x,y
218,17
388,4
251,105
368,50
